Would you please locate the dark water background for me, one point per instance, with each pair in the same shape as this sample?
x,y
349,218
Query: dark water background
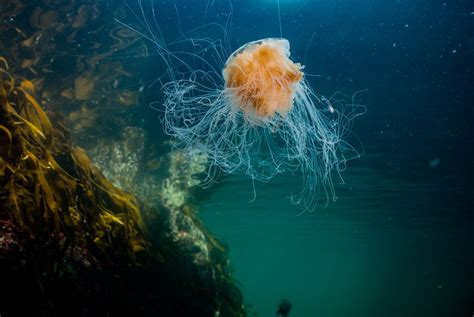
x,y
399,240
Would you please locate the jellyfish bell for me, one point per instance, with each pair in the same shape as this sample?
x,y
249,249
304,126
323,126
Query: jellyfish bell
x,y
260,78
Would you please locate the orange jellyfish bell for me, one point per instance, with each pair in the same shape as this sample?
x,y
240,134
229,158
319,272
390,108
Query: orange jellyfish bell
x,y
261,78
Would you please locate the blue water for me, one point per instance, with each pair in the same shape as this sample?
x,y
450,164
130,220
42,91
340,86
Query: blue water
x,y
399,239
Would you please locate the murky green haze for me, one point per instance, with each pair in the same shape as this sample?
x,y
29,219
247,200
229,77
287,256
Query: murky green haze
x,y
389,246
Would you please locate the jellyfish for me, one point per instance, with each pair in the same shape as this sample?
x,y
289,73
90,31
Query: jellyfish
x,y
252,111
262,118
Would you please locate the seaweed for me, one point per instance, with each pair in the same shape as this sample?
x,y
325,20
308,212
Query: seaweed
x,y
73,243
65,201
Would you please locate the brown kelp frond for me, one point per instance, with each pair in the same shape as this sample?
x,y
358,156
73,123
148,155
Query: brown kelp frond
x,y
28,86
4,62
10,138
14,202
51,190
7,81
33,114
36,131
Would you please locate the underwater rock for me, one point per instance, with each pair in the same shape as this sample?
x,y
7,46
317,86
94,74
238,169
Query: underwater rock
x,y
184,171
120,159
121,162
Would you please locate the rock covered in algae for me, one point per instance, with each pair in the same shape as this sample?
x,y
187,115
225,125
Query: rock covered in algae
x,y
120,160
72,243
169,184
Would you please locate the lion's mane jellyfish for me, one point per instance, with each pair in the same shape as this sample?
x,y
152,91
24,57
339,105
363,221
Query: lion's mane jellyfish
x,y
262,118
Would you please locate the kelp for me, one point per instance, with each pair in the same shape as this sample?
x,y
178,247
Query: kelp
x,y
76,240
67,56
50,189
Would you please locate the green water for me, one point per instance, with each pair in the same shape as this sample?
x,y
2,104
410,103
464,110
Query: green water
x,y
397,242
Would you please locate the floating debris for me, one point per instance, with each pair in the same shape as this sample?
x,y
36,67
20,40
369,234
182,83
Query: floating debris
x,y
433,163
